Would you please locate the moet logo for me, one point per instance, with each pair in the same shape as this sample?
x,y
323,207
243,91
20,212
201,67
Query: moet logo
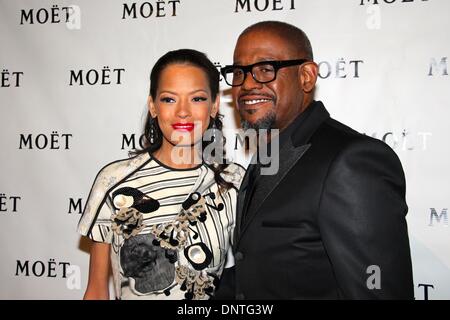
x,y
249,141
11,78
8,203
440,69
218,65
340,69
145,10
425,289
263,5
75,206
441,219
405,141
44,141
363,2
50,269
55,14
105,76
129,141
242,141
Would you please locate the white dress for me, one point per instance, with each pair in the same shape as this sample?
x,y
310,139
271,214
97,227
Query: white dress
x,y
170,230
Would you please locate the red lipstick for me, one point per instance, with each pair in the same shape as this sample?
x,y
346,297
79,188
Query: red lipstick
x,y
188,127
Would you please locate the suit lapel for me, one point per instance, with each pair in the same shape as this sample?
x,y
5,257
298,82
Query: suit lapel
x,y
292,150
241,201
264,185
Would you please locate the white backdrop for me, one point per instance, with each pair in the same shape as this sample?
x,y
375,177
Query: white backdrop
x,y
74,83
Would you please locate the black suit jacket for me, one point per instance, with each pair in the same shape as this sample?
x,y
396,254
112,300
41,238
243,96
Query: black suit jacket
x,y
329,225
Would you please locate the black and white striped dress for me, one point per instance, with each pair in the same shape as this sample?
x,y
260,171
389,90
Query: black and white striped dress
x,y
170,229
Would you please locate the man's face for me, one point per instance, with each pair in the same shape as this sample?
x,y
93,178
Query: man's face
x,y
269,105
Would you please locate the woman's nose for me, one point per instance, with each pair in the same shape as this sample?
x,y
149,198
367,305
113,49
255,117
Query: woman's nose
x,y
184,109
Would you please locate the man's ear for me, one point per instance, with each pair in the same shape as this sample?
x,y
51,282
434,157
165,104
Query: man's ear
x,y
215,106
151,107
308,76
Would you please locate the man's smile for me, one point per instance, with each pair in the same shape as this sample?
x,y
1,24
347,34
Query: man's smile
x,y
252,102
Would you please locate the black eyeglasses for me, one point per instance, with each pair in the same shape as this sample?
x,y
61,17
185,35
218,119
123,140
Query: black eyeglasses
x,y
262,72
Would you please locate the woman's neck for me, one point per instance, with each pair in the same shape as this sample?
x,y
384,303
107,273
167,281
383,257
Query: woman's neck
x,y
184,157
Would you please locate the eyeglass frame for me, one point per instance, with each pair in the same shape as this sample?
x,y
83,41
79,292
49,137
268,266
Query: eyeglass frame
x,y
276,64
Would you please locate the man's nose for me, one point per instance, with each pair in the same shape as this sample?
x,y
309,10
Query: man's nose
x,y
250,83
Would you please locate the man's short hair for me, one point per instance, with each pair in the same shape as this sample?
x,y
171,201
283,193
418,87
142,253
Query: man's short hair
x,y
294,36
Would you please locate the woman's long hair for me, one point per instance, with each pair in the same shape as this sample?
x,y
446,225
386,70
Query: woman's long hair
x,y
153,137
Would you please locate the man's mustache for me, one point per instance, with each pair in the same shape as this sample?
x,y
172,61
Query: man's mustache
x,y
256,93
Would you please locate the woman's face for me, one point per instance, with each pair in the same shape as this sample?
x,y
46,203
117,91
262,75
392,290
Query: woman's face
x,y
183,104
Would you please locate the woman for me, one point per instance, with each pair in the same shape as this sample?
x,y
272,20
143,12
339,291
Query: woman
x,y
163,219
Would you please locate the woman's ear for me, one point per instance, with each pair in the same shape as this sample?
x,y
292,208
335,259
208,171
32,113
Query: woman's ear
x,y
151,107
215,106
308,76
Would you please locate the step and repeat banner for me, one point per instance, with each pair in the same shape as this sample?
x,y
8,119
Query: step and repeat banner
x,y
73,90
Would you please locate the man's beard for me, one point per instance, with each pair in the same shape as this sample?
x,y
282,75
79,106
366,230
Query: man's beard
x,y
267,122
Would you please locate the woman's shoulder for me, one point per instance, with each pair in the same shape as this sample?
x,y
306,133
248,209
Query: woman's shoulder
x,y
117,169
233,173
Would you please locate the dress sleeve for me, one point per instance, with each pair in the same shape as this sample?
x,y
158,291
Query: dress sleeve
x,y
95,221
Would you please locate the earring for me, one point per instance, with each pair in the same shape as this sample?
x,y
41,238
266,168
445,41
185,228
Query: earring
x,y
152,133
214,129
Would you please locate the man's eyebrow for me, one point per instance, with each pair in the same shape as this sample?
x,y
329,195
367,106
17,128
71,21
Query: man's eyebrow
x,y
268,59
265,59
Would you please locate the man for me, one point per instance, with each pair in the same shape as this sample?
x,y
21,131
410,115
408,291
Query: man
x,y
330,224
